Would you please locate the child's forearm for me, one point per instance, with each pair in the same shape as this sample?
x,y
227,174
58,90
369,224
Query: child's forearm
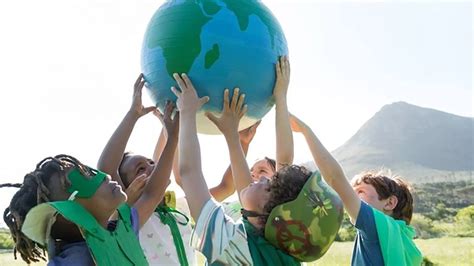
x,y
226,187
284,135
240,168
160,145
192,178
332,173
112,154
159,178
158,181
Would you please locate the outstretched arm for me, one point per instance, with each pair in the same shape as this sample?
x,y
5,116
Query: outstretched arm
x,y
284,136
160,144
112,154
158,181
190,168
228,124
330,169
226,186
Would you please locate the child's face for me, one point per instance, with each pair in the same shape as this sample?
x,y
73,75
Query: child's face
x,y
135,165
256,195
261,168
368,194
107,197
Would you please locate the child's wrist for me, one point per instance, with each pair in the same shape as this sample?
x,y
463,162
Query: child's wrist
x,y
132,114
280,99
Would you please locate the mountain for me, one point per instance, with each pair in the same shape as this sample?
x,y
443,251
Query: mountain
x,y
420,144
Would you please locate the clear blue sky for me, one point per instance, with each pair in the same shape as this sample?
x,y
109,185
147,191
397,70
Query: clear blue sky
x,y
67,69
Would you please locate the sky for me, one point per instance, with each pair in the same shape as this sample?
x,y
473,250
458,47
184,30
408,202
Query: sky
x,y
68,68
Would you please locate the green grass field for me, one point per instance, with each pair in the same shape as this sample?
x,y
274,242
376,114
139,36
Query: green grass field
x,y
441,251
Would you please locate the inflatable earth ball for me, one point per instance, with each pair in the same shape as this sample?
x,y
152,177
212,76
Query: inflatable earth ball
x,y
219,44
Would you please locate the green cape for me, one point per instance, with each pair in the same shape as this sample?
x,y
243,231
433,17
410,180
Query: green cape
x,y
396,241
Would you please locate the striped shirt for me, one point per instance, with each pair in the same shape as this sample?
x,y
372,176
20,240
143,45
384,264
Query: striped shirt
x,y
222,240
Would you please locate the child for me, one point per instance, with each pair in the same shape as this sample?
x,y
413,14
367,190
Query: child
x,y
270,207
265,167
165,236
380,207
78,202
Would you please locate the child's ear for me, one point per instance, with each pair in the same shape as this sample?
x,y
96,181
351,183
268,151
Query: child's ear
x,y
391,203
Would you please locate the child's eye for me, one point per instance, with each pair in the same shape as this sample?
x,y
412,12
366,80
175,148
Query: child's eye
x,y
141,170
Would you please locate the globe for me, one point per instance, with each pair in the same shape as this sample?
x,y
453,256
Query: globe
x,y
219,44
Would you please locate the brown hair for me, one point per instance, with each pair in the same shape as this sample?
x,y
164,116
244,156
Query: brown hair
x,y
271,162
387,185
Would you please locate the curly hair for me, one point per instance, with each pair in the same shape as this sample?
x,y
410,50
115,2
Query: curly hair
x,y
387,185
33,191
285,186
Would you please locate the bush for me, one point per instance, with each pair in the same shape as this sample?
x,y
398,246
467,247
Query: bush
x,y
6,241
347,232
423,226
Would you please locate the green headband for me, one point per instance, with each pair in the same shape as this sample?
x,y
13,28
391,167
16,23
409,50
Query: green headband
x,y
82,186
306,227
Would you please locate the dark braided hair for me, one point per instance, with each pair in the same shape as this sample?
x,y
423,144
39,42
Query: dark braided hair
x,y
33,191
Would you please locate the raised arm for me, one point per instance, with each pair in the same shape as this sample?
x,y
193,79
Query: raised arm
x,y
284,136
160,145
190,168
158,181
226,187
330,169
112,154
228,124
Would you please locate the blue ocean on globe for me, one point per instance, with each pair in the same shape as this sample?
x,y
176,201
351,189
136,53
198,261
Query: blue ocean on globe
x,y
219,44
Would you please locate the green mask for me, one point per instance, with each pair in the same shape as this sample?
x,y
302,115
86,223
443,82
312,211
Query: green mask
x,y
306,227
82,186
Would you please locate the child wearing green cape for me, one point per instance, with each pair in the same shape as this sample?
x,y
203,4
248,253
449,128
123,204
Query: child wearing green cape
x,y
65,208
380,208
275,230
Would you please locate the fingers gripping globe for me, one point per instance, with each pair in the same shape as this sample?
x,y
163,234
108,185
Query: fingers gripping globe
x,y
219,44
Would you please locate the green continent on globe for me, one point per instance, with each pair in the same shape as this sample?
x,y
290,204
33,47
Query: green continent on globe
x,y
187,44
243,11
210,7
211,56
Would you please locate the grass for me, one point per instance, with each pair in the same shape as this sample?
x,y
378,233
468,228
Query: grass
x,y
441,251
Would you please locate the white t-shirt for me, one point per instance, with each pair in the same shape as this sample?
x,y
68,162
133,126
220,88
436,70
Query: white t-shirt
x,y
158,245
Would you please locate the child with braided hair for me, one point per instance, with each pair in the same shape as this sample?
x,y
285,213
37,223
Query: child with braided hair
x,y
65,207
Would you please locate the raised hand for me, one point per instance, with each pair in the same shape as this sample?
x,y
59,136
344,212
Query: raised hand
x,y
232,112
170,123
282,71
296,124
188,101
135,189
246,135
137,107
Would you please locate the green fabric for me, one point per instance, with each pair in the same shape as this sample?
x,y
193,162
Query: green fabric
x,y
396,241
306,226
85,186
167,217
118,247
263,252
